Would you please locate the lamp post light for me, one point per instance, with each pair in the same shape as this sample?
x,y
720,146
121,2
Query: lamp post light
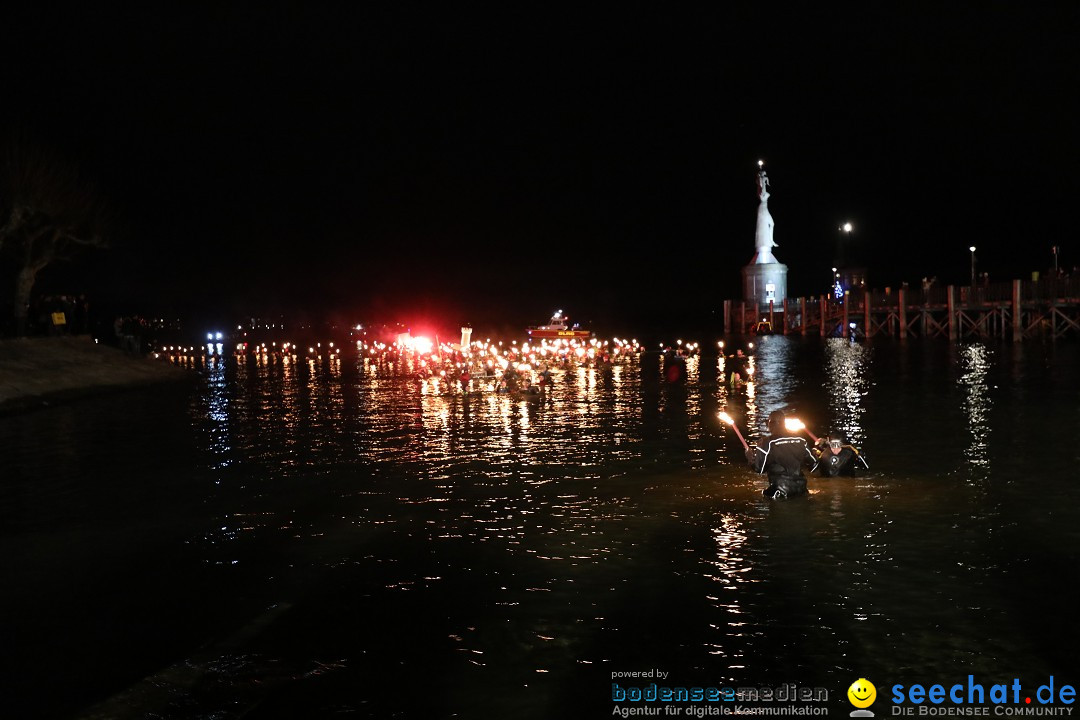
x,y
972,249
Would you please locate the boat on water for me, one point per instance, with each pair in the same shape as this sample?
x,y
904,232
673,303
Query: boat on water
x,y
763,327
558,328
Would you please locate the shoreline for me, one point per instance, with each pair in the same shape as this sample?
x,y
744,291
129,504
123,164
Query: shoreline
x,y
41,372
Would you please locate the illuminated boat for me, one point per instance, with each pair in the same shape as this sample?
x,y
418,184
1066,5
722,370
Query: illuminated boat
x,y
558,328
764,327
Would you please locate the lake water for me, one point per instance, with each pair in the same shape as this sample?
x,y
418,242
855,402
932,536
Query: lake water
x,y
336,539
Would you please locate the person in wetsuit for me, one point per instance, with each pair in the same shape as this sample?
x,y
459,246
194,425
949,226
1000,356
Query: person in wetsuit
x,y
674,366
736,367
836,456
782,457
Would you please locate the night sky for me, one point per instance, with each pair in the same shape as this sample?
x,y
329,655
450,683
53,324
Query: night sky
x,y
490,167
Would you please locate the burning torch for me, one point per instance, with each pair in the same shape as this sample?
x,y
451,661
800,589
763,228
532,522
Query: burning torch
x,y
731,421
795,425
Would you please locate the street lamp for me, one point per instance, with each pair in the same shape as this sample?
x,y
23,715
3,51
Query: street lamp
x,y
972,249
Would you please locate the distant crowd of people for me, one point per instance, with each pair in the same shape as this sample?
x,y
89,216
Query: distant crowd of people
x,y
517,373
55,315
60,315
129,333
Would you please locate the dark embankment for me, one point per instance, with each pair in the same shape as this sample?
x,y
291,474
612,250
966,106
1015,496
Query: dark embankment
x,y
42,371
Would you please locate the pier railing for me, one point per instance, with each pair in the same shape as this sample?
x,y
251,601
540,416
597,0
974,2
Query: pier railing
x,y
1046,308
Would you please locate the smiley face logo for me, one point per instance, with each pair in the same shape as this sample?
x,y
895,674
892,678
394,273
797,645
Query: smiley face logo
x,y
862,693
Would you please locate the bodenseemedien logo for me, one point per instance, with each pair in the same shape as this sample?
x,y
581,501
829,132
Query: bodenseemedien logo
x,y
862,694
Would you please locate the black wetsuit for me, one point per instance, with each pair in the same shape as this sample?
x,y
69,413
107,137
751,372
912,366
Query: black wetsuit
x,y
832,464
846,462
783,459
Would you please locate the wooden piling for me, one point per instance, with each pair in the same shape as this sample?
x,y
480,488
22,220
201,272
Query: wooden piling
x,y
866,313
950,295
847,303
822,306
1017,325
802,315
903,313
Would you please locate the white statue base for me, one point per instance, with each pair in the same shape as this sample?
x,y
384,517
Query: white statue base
x,y
763,282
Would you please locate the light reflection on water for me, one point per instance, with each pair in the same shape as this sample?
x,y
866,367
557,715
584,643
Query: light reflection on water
x,y
774,380
846,365
522,550
975,365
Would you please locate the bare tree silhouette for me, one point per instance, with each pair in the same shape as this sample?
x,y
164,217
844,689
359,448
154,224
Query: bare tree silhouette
x,y
48,212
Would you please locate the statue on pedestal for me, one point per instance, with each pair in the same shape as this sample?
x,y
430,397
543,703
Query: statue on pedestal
x,y
763,236
765,278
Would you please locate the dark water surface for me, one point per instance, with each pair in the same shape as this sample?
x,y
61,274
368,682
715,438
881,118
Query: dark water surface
x,y
335,540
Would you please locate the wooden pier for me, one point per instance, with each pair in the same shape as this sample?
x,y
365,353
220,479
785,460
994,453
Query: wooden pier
x,y
1021,310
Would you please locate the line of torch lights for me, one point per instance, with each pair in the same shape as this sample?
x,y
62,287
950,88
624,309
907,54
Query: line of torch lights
x,y
428,357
